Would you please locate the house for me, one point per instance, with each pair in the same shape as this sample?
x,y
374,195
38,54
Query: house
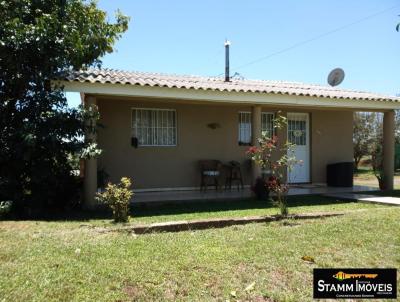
x,y
178,120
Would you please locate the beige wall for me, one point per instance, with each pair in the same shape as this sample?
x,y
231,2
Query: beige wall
x,y
331,140
158,167
165,167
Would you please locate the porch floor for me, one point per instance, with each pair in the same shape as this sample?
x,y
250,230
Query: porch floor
x,y
306,189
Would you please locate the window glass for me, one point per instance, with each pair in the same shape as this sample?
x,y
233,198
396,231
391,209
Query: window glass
x,y
267,123
244,128
154,127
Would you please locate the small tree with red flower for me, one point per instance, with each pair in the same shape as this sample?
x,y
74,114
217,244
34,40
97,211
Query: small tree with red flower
x,y
274,159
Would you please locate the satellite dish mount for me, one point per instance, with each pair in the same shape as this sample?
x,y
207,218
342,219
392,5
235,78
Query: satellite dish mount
x,y
336,77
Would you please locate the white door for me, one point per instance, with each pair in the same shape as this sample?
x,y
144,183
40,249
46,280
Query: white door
x,y
299,134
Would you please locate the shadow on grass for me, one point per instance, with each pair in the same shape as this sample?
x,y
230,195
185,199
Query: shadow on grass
x,y
182,207
391,193
144,210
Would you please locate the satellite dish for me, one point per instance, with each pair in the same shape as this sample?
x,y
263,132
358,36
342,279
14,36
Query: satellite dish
x,y
336,77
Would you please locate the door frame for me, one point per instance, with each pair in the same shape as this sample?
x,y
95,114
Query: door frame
x,y
308,145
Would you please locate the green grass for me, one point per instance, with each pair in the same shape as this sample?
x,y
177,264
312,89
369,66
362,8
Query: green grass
x,y
240,208
38,261
364,176
193,210
362,170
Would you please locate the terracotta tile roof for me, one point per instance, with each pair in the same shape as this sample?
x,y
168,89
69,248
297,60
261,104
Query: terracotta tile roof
x,y
112,76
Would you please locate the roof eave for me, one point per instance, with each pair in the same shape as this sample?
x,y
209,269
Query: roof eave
x,y
262,98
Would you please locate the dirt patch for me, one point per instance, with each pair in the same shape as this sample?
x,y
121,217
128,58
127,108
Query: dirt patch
x,y
14,225
133,291
261,299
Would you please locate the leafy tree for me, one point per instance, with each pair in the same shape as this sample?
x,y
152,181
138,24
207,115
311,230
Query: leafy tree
x,y
39,41
377,160
365,128
397,126
275,159
368,140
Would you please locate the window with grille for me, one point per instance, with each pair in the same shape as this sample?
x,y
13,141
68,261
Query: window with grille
x,y
267,123
297,130
154,127
244,128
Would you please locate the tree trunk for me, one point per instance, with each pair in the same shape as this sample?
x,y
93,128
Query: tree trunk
x,y
356,162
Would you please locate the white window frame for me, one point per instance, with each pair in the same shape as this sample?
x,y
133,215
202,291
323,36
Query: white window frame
x,y
239,128
137,109
273,117
272,114
298,119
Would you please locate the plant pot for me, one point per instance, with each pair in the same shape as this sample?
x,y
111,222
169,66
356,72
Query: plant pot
x,y
260,189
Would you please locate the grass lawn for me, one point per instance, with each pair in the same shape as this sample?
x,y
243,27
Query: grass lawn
x,y
193,210
365,177
39,262
240,208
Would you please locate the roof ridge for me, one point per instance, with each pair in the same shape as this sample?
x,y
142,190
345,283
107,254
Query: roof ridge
x,y
116,70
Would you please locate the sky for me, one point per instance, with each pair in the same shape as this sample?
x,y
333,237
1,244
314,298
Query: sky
x,y
287,40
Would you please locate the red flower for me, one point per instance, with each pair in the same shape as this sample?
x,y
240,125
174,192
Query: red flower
x,y
271,142
274,184
252,150
269,145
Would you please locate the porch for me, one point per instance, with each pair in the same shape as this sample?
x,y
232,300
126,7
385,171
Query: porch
x,y
158,128
197,195
171,173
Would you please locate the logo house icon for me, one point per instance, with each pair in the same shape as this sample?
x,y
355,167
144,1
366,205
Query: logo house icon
x,y
343,276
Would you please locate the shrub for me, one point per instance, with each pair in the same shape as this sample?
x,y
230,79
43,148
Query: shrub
x,y
5,208
280,190
274,158
117,197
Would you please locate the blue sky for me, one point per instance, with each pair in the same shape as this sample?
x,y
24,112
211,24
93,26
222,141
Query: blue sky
x,y
187,37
